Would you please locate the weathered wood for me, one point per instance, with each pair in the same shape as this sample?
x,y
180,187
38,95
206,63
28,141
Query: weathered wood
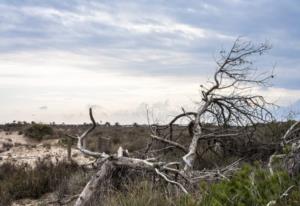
x,y
170,142
190,157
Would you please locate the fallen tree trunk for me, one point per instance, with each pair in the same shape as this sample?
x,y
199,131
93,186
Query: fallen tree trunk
x,y
90,190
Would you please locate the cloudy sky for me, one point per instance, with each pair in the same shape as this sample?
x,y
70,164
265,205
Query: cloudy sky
x,y
57,58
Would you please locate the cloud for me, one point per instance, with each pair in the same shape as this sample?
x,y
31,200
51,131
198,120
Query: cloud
x,y
120,54
58,27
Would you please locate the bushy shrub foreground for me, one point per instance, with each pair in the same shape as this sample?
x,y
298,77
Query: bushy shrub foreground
x,y
22,181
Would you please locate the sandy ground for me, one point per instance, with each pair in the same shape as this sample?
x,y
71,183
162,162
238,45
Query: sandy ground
x,y
21,149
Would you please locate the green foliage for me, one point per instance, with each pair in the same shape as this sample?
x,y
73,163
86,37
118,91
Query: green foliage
x,y
65,141
250,186
38,131
287,149
21,181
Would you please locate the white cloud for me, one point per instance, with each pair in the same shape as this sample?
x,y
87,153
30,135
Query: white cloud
x,y
119,56
58,81
281,96
125,20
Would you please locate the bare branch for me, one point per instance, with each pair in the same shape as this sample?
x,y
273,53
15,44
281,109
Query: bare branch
x,y
171,181
271,159
81,138
177,145
284,194
284,142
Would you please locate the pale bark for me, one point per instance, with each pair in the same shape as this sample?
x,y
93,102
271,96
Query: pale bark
x,y
190,157
170,142
284,141
90,190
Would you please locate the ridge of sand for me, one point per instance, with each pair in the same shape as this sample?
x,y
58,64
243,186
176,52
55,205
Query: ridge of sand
x,y
21,149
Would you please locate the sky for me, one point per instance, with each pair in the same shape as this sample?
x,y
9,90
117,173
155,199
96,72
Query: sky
x,y
58,58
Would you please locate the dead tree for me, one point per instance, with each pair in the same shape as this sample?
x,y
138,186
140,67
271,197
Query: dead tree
x,y
225,103
228,101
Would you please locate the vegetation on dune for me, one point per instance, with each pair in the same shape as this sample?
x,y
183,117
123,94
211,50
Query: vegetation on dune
x,y
38,131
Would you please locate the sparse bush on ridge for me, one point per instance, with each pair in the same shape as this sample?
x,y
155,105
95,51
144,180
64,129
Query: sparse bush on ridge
x,y
38,131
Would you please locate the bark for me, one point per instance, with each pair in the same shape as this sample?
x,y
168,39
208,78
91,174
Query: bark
x,y
69,149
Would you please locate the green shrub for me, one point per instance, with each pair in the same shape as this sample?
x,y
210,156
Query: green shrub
x,y
38,131
249,186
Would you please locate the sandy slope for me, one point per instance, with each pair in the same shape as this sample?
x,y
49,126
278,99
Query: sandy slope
x,y
26,150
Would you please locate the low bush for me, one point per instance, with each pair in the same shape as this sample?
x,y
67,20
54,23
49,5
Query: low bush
x,y
252,186
38,131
